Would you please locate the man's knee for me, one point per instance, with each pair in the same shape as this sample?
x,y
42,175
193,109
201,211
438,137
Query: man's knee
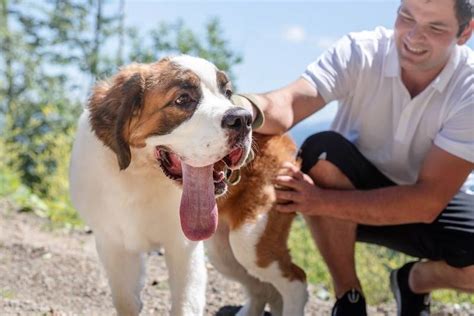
x,y
314,152
316,148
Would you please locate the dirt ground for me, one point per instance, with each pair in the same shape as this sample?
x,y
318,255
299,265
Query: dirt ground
x,y
45,272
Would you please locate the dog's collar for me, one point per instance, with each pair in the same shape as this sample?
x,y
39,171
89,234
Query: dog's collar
x,y
232,177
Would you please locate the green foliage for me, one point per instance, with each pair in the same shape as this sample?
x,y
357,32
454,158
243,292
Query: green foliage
x,y
11,185
173,38
374,264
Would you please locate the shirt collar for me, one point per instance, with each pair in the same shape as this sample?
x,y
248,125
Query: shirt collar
x,y
441,81
392,67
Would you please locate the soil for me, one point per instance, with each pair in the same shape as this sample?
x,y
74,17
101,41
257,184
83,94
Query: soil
x,y
45,271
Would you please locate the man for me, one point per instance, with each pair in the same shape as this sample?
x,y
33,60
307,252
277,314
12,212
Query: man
x,y
392,170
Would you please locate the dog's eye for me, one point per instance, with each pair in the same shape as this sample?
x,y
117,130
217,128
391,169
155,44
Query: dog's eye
x,y
228,93
183,99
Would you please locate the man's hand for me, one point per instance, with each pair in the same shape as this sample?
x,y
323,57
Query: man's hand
x,y
250,103
296,191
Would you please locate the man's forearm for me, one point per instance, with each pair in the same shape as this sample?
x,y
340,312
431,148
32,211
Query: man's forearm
x,y
285,107
385,206
278,115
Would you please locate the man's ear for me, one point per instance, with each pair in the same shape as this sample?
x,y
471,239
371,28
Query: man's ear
x,y
132,91
112,105
466,33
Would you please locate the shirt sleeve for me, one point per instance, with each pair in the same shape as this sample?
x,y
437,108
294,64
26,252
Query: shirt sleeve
x,y
457,134
333,73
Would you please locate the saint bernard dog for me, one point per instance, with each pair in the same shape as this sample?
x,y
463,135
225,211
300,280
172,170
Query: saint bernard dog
x,y
155,163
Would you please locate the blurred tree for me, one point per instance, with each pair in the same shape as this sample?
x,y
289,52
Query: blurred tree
x,y
36,69
174,38
6,92
121,32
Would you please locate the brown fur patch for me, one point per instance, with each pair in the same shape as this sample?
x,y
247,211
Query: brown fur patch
x,y
255,195
139,102
159,116
272,246
224,84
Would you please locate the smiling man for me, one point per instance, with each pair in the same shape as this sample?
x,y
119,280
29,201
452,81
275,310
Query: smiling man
x,y
395,169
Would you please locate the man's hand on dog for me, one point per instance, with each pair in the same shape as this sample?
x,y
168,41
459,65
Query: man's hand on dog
x,y
296,191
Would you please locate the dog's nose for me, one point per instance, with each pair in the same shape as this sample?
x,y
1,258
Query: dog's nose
x,y
237,119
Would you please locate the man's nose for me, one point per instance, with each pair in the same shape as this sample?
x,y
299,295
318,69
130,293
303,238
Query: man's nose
x,y
417,32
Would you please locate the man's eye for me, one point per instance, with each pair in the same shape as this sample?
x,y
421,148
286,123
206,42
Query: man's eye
x,y
405,17
436,30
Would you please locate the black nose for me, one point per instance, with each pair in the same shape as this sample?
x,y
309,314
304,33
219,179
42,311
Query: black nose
x,y
237,119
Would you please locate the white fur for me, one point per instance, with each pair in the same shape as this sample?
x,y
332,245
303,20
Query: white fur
x,y
243,242
221,254
203,68
136,210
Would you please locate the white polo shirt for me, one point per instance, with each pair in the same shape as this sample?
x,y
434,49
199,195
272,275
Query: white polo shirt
x,y
377,113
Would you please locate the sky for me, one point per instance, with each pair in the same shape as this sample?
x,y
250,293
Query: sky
x,y
277,39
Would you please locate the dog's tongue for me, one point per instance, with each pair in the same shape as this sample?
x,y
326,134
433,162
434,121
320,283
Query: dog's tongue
x,y
198,210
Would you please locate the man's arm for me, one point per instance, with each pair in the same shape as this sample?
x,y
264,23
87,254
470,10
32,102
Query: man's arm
x,y
440,178
285,107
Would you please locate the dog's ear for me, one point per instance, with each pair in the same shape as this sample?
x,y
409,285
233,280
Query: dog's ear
x,y
132,90
112,106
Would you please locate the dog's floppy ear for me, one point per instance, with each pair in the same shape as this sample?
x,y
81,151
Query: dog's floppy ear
x,y
113,104
132,91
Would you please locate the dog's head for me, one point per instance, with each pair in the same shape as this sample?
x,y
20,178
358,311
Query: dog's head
x,y
176,115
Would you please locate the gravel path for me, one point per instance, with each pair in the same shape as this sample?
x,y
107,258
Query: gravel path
x,y
44,272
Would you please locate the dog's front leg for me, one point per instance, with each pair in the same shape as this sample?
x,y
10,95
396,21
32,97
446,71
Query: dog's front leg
x,y
125,272
187,278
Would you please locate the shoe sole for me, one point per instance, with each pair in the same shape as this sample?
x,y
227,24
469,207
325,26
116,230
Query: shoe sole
x,y
396,291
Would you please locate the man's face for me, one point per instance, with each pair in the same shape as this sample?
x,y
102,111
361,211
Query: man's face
x,y
425,33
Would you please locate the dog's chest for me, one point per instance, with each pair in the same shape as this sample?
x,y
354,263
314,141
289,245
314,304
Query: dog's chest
x,y
151,214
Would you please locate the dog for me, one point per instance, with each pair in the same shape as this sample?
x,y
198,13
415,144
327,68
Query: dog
x,y
155,147
250,244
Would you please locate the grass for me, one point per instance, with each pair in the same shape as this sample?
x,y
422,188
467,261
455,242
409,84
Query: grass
x,y
374,264
7,294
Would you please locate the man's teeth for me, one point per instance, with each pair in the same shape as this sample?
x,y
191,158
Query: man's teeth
x,y
415,50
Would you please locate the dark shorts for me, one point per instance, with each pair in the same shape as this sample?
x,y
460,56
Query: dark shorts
x,y
450,237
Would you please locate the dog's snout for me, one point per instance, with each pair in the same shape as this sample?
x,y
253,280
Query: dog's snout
x,y
237,119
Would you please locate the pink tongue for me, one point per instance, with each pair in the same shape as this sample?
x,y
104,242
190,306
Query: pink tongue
x,y
198,210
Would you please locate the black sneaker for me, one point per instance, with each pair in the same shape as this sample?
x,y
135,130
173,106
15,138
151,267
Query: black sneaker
x,y
408,303
352,303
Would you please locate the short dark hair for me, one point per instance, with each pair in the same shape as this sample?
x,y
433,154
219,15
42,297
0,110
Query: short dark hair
x,y
464,14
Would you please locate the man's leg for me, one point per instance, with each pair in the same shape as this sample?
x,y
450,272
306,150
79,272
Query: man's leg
x,y
427,276
335,238
446,246
333,162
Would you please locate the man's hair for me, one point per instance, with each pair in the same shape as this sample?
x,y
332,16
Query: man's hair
x,y
464,13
